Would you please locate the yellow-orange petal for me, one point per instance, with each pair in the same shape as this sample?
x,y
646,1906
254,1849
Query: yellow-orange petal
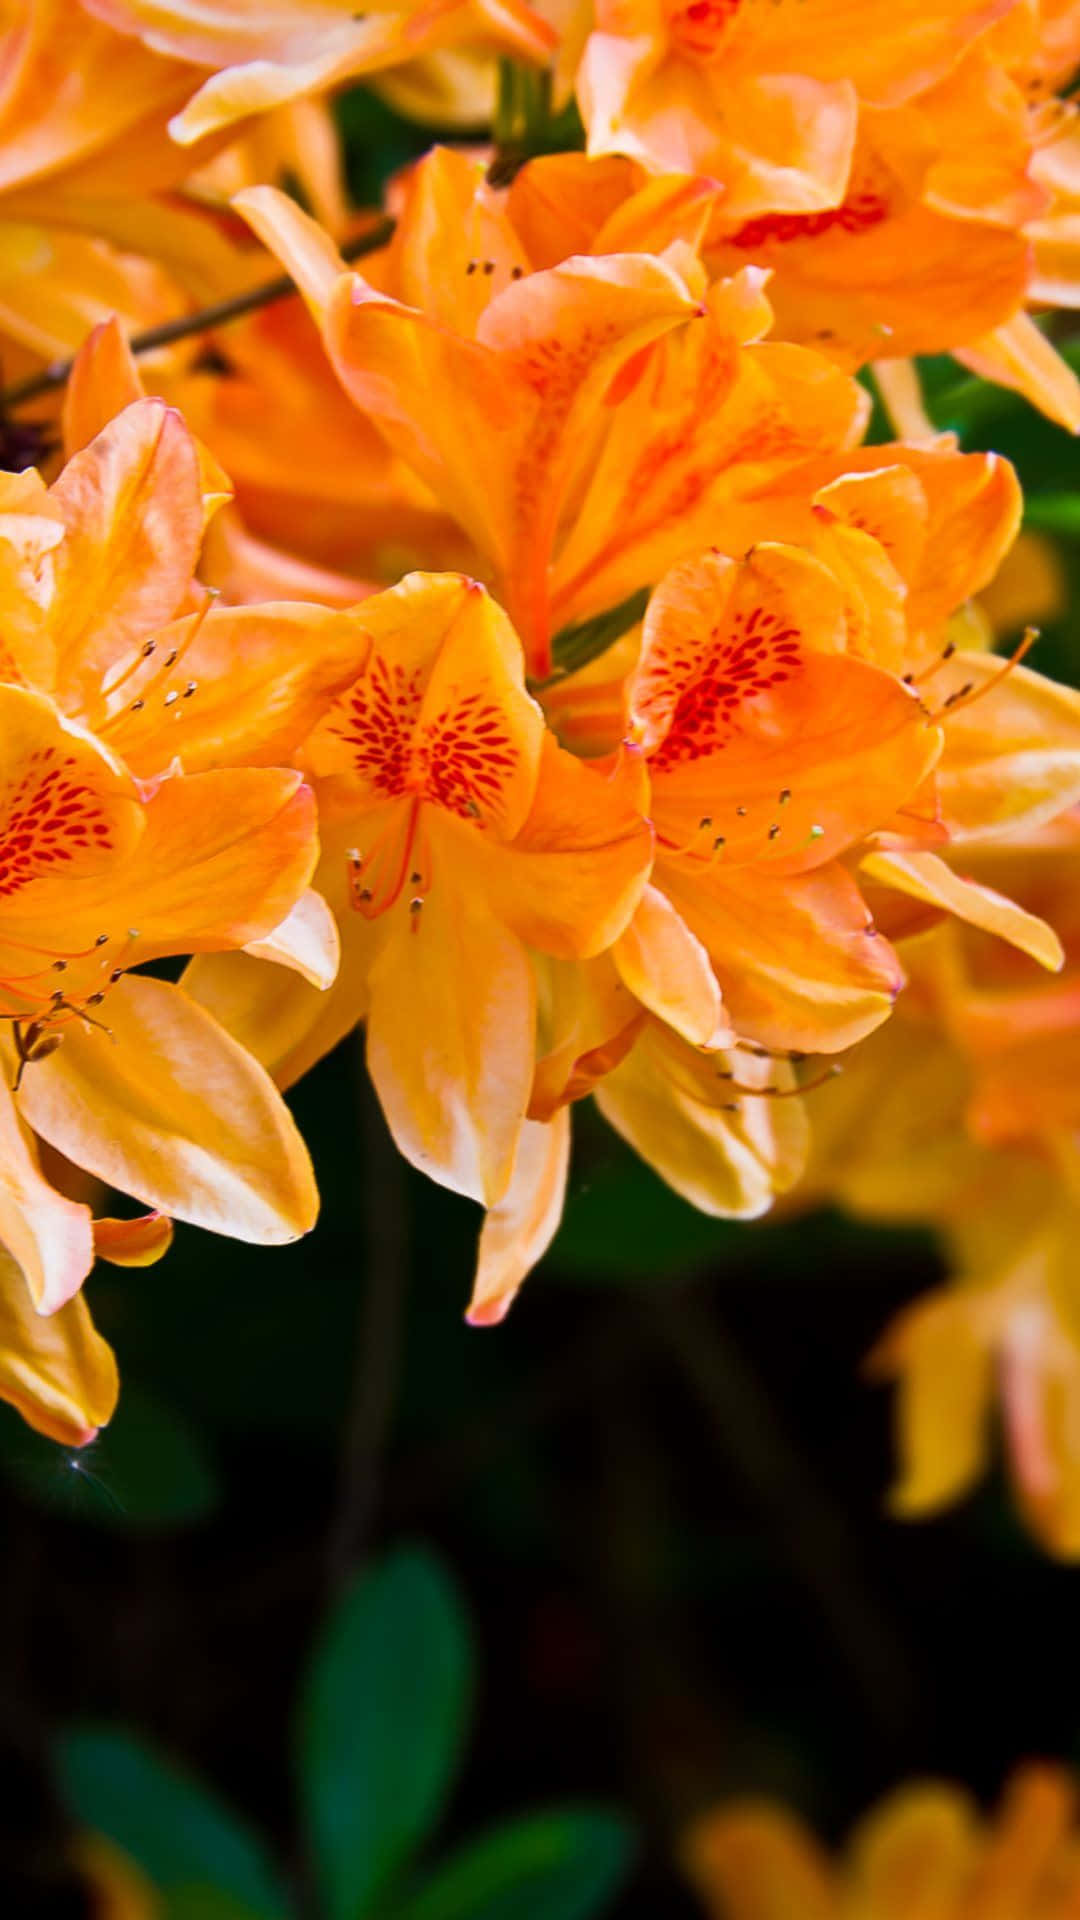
x,y
167,1107
138,1242
726,1151
56,1371
133,517
450,1038
798,962
247,684
570,881
926,877
104,379
519,1229
48,1236
666,967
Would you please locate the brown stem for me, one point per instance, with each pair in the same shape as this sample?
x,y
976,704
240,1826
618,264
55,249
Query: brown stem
x,y
189,324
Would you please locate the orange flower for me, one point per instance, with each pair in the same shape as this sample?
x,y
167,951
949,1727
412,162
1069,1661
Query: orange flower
x,y
924,1853
772,752
96,595
618,411
907,183
309,45
762,99
123,1073
457,838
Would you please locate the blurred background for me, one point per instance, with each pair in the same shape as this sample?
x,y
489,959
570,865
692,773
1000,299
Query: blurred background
x,y
659,1488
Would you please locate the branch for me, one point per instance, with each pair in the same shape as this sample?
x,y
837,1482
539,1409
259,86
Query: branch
x,y
189,324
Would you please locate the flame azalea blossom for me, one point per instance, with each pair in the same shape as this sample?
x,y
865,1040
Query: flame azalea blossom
x,y
771,752
263,57
963,1114
925,1853
83,114
96,583
457,838
620,404
922,213
120,1072
763,96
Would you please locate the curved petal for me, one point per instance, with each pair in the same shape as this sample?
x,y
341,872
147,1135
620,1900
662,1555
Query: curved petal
x,y
925,877
916,1852
306,940
235,686
139,1242
944,1367
799,964
519,1230
104,379
57,1372
571,879
1012,754
451,1035
666,967
175,1113
133,514
705,1124
49,1236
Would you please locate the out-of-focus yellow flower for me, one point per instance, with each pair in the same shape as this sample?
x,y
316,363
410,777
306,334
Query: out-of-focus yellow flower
x,y
925,1853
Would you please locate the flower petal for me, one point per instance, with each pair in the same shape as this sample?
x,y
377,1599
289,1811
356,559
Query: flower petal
x,y
518,1231
728,1153
57,1371
133,513
50,1237
307,940
175,1113
798,963
927,878
451,1034
666,967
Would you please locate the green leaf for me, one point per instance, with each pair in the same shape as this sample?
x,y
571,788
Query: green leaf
x,y
545,1866
574,647
381,1725
168,1822
1053,512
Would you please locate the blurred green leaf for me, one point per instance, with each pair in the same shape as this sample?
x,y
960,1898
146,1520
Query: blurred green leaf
x,y
171,1826
382,1724
148,1471
544,1866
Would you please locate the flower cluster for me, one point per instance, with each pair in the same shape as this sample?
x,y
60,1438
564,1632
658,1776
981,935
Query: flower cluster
x,y
515,646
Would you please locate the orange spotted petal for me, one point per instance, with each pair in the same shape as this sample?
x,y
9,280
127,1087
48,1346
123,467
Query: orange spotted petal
x,y
440,713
